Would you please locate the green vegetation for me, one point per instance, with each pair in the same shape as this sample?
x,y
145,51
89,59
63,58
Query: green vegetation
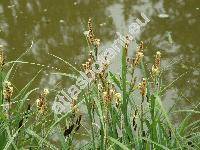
x,y
121,113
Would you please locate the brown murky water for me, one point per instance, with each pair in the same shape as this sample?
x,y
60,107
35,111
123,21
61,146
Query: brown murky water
x,y
57,27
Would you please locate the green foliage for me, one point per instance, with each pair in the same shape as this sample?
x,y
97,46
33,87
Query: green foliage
x,y
117,116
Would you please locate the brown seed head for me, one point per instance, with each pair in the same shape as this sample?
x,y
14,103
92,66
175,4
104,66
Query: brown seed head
x,y
45,92
143,87
96,42
91,55
158,59
84,67
138,58
155,71
156,67
41,101
141,46
117,98
127,44
8,91
91,36
2,59
139,55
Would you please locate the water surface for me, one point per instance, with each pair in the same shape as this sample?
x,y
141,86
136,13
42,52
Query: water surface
x,y
57,27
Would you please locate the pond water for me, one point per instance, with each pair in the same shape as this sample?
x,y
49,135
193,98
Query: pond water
x,y
56,27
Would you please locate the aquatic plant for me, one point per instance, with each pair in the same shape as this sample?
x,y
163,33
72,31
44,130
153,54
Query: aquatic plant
x,y
123,111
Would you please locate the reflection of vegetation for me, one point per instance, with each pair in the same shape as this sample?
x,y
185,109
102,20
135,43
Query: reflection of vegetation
x,y
58,24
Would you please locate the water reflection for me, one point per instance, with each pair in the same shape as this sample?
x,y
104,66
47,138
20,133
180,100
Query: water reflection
x,y
57,27
183,23
53,27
